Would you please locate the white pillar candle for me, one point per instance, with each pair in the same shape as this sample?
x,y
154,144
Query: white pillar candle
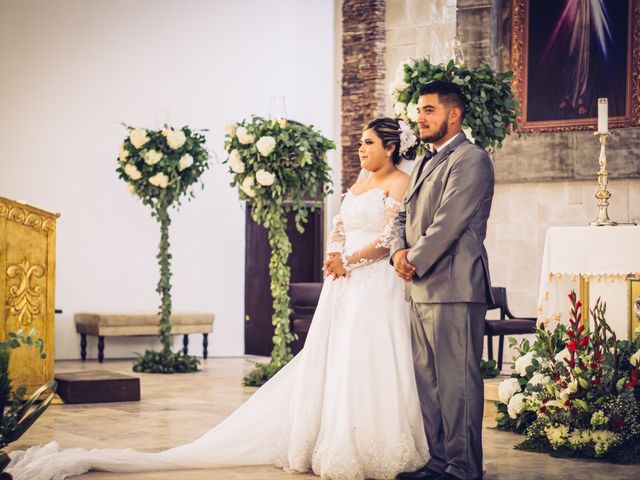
x,y
603,115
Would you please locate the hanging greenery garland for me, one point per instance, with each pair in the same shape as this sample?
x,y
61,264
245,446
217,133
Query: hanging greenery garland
x,y
276,166
160,167
491,106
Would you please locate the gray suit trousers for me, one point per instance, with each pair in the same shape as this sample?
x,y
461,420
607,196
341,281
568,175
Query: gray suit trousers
x,y
447,341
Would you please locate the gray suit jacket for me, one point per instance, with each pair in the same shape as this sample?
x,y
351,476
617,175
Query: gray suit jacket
x,y
443,220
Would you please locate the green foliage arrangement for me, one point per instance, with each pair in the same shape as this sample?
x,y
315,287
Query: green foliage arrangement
x,y
492,108
160,167
17,415
489,369
277,167
574,391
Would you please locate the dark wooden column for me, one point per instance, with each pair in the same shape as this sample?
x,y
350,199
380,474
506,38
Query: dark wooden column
x,y
306,266
363,71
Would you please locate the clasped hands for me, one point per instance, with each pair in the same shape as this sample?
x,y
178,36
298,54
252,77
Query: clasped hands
x,y
401,265
333,266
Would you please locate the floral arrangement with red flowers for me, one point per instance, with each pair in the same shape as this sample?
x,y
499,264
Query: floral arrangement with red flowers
x,y
574,391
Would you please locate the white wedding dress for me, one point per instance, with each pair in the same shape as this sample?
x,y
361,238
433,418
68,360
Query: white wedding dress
x,y
346,407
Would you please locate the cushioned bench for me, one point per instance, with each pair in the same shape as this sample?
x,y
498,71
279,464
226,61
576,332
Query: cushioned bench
x,y
140,324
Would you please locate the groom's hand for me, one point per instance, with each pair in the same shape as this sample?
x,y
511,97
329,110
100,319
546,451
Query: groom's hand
x,y
401,265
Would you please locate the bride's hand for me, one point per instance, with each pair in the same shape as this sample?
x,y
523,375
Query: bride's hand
x,y
333,266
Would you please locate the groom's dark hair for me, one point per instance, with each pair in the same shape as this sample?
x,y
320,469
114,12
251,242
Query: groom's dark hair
x,y
448,93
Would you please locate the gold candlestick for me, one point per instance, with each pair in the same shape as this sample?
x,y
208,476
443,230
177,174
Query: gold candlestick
x,y
603,194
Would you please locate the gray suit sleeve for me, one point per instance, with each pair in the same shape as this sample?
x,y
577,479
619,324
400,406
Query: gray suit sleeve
x,y
398,237
465,191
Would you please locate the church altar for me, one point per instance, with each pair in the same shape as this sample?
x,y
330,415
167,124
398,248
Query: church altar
x,y
595,262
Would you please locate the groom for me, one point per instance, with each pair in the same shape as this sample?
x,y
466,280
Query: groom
x,y
438,250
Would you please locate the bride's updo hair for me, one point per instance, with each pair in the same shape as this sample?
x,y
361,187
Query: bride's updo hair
x,y
388,129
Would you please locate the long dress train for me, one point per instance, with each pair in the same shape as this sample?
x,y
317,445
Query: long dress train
x,y
346,407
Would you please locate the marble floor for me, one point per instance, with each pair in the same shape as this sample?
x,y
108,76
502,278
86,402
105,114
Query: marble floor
x,y
176,409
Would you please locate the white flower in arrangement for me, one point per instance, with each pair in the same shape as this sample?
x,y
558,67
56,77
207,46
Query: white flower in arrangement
x,y
265,178
507,388
230,128
185,161
556,435
399,109
132,171
159,180
138,137
561,355
407,137
398,84
516,405
603,440
124,153
247,187
635,359
131,187
176,139
266,145
412,112
244,137
521,364
598,419
539,379
235,162
151,157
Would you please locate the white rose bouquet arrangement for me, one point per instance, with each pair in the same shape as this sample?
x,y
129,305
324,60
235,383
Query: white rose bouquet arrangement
x,y
574,391
161,167
276,168
492,108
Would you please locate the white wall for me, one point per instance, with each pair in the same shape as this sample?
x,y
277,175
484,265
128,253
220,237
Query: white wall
x,y
72,70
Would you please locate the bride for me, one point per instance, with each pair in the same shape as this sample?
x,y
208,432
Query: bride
x,y
346,407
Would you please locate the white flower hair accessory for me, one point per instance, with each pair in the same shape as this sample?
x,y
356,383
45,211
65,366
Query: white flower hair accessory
x,y
408,139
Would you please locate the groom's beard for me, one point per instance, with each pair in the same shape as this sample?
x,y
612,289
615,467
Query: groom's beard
x,y
444,129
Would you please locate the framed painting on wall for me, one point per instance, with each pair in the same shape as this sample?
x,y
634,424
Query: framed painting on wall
x,y
568,53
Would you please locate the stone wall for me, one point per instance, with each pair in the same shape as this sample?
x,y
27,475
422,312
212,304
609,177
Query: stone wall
x,y
417,28
363,68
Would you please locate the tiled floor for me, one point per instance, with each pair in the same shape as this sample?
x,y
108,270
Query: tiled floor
x,y
178,408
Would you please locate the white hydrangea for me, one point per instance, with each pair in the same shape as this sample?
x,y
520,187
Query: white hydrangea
x,y
539,379
507,388
138,137
521,364
132,171
131,187
151,157
244,137
159,180
516,405
176,139
266,145
265,178
247,186
235,161
124,154
185,161
412,112
399,109
230,128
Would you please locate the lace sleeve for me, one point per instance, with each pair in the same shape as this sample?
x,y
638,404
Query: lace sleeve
x,y
336,239
379,248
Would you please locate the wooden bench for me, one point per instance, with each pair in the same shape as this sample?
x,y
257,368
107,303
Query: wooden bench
x,y
140,324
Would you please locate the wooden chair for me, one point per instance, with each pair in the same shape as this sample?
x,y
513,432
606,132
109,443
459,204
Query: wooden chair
x,y
304,300
508,324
